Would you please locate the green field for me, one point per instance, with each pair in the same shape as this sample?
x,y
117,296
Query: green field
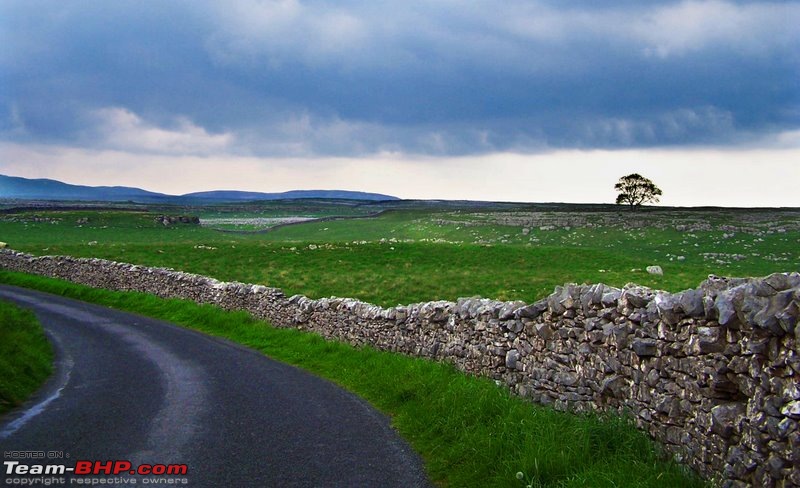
x,y
420,252
264,215
25,355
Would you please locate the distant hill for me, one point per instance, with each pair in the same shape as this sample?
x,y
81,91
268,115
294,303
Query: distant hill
x,y
13,187
44,189
232,195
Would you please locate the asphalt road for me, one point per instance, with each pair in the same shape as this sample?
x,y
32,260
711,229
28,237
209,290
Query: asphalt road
x,y
127,387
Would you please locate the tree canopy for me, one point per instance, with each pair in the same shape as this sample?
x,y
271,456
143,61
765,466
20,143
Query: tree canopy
x,y
636,190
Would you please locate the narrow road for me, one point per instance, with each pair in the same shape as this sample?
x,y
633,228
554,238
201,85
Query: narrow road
x,y
127,387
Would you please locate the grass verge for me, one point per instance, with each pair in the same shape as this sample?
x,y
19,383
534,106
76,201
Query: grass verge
x,y
26,358
469,431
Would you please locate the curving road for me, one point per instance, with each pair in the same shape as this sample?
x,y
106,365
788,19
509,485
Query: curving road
x,y
132,388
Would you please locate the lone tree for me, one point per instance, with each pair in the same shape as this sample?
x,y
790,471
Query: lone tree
x,y
635,190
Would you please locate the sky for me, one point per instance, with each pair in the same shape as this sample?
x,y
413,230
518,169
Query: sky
x,y
534,100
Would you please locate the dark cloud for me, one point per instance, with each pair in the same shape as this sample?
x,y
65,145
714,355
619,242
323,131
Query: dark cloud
x,y
343,78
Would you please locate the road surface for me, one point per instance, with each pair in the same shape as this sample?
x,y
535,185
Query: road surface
x,y
135,389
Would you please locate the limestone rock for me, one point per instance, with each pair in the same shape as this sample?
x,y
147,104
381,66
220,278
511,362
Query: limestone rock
x,y
508,310
792,410
655,270
532,311
691,302
708,340
564,378
668,309
726,311
544,331
512,356
635,297
614,386
725,418
611,297
644,347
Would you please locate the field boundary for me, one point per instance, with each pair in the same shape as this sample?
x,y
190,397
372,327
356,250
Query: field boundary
x,y
711,373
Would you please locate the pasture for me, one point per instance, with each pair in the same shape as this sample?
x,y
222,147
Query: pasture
x,y
404,252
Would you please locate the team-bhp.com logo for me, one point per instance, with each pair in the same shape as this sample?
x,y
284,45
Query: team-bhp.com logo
x,y
94,468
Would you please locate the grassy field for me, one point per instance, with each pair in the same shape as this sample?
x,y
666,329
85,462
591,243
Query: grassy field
x,y
25,355
469,431
422,252
264,215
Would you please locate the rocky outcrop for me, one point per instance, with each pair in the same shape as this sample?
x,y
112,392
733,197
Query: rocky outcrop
x,y
168,220
712,373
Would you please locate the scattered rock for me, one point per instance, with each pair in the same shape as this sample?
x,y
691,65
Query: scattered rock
x,y
168,220
655,270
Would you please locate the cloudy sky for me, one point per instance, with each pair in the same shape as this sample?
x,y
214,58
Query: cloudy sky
x,y
534,100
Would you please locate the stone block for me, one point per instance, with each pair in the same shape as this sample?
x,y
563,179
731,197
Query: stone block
x,y
644,347
532,311
543,331
792,410
565,378
512,356
726,419
708,340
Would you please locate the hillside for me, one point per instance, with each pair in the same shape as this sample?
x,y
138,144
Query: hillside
x,y
13,187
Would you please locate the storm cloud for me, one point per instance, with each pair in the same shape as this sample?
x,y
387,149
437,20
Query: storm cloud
x,y
291,78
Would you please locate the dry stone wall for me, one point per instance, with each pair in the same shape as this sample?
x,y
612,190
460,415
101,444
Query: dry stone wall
x,y
712,373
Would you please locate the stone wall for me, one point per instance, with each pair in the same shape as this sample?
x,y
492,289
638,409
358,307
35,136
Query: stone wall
x,y
711,373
